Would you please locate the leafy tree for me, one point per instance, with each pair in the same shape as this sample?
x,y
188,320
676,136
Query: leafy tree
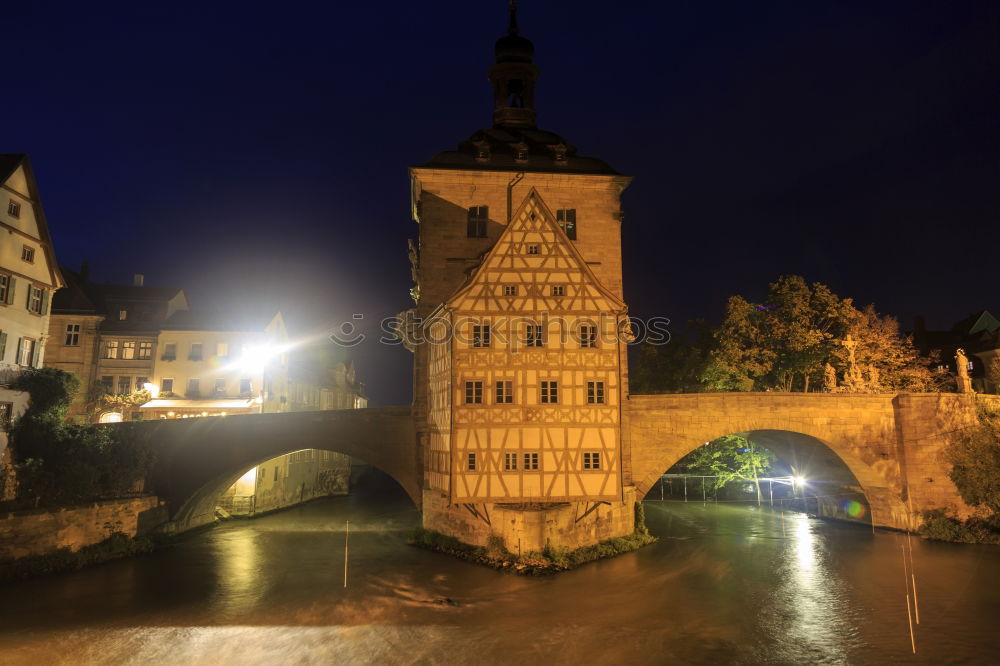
x,y
730,458
974,454
674,367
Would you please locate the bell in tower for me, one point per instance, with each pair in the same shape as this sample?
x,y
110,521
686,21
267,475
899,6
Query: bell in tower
x,y
513,78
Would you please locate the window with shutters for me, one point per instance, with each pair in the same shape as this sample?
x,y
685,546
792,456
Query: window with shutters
x,y
510,462
479,216
474,393
28,254
505,392
566,217
549,392
13,208
595,393
111,349
28,352
591,460
481,335
35,296
6,289
530,462
3,346
128,349
145,350
72,335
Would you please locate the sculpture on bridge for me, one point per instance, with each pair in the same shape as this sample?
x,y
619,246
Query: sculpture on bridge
x,y
853,381
829,378
962,365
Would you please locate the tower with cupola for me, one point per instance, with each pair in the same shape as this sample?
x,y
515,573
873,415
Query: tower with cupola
x,y
519,329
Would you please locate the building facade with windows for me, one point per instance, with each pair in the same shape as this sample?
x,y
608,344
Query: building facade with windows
x,y
219,363
519,330
75,339
29,276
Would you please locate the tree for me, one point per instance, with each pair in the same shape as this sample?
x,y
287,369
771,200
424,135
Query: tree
x,y
674,367
974,454
730,458
781,343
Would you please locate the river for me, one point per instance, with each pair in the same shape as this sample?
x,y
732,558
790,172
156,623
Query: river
x,y
726,584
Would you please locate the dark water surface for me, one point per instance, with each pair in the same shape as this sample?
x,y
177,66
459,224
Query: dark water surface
x,y
725,585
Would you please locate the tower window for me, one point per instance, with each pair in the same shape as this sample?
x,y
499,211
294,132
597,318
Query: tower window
x,y
595,393
481,335
478,217
550,393
566,217
474,393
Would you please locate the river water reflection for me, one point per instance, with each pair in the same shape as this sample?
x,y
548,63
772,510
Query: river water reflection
x,y
725,584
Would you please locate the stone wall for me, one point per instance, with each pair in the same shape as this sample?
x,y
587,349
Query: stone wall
x,y
525,529
28,533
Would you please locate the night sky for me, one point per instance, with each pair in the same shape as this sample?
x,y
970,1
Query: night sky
x,y
257,153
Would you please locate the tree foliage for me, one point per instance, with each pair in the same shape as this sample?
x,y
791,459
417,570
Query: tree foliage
x,y
60,463
974,454
674,367
729,458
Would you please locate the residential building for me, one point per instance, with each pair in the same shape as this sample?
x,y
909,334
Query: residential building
x,y
218,363
29,276
75,339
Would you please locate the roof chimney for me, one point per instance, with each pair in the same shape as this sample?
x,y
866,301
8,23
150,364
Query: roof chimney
x,y
137,280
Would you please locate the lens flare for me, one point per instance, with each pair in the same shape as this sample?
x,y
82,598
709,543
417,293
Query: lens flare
x,y
853,508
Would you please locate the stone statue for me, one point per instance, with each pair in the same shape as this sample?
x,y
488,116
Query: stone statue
x,y
829,378
962,366
852,376
873,377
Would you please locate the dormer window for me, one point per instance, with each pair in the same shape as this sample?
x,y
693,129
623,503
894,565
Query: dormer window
x,y
13,208
559,152
482,151
520,151
122,315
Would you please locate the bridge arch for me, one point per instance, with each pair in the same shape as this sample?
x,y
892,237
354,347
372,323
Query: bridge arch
x,y
854,448
197,459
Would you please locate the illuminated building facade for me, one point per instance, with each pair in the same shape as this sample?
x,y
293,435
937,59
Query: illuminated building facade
x,y
520,363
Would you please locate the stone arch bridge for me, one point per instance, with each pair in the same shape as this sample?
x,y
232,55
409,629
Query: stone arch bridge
x,y
890,446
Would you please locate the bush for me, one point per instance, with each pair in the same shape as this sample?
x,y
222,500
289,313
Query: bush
x,y
60,463
117,545
938,525
974,454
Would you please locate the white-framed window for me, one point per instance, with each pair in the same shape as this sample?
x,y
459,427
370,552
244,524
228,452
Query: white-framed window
x,y
474,392
530,462
28,254
72,335
128,349
145,350
595,393
532,249
566,217
549,392
13,208
510,290
124,384
167,385
111,349
510,462
471,463
558,290
169,351
34,299
588,336
481,335
6,282
591,460
27,352
479,216
505,392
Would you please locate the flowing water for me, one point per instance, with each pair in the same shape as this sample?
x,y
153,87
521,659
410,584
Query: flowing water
x,y
725,584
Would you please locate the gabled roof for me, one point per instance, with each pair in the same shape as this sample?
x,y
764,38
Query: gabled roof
x,y
534,220
73,298
9,162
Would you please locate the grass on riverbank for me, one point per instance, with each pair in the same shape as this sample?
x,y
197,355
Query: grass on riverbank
x,y
550,560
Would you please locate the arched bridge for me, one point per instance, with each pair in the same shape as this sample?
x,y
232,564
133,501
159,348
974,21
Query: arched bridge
x,y
199,458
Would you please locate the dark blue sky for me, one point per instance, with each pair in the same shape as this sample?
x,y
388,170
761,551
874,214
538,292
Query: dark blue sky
x,y
258,152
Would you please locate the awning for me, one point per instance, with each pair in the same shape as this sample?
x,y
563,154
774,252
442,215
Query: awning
x,y
200,405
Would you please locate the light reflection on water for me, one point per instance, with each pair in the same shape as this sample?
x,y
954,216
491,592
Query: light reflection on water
x,y
725,584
